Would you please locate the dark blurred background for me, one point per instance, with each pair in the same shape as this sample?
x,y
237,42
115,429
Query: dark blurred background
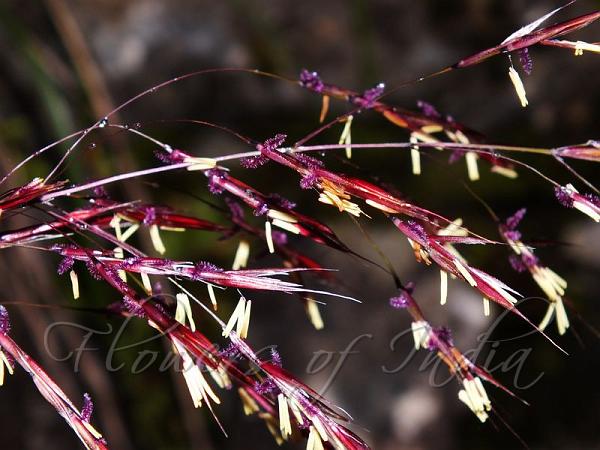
x,y
67,63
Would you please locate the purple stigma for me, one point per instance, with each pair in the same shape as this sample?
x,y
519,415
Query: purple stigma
x,y
231,352
309,161
311,80
525,60
149,215
563,195
418,230
266,387
65,265
309,180
254,162
513,221
370,96
428,109
133,307
88,408
400,302
273,143
93,270
444,335
530,260
205,267
276,358
517,263
4,320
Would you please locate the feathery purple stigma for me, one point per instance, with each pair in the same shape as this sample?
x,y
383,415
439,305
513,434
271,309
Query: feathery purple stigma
x,y
525,60
266,387
133,307
443,334
417,229
254,162
370,96
273,143
308,180
4,320
513,221
205,267
428,109
92,269
308,161
231,352
311,80
65,265
88,408
563,195
276,358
